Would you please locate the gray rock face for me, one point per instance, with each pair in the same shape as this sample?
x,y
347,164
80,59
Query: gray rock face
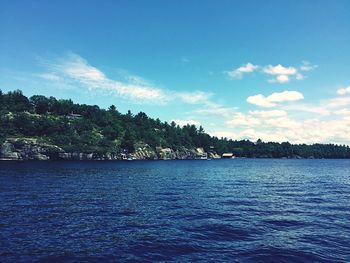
x,y
182,153
144,153
27,149
32,149
87,156
8,152
213,155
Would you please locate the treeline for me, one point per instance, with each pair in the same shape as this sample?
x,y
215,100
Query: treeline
x,y
86,128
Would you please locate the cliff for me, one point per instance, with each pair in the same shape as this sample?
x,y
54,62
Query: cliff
x,y
34,149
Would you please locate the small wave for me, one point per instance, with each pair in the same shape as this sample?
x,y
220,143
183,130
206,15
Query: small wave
x,y
285,222
281,255
164,249
220,232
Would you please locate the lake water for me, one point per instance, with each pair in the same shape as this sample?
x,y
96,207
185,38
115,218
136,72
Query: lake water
x,y
241,210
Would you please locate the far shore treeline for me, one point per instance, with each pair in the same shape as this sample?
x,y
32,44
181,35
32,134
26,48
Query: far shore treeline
x,y
86,128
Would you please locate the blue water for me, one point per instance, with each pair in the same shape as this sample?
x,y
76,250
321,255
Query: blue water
x,y
242,210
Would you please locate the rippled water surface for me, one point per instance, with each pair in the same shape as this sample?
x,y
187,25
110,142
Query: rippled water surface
x,y
241,210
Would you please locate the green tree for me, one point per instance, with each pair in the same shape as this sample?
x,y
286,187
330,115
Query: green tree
x,y
15,101
40,104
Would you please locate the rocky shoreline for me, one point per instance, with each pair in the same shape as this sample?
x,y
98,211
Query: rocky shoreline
x,y
32,149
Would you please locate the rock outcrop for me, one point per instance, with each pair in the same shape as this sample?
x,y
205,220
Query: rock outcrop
x,y
213,155
33,149
144,153
28,149
182,153
78,156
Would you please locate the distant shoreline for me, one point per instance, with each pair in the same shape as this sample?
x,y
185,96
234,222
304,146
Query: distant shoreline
x,y
46,128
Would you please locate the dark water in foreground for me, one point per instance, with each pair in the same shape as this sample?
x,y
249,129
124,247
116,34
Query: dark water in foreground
x,y
242,210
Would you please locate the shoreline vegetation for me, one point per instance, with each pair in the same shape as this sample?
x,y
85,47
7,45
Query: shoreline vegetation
x,y
42,128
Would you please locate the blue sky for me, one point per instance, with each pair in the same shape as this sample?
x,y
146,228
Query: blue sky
x,y
275,70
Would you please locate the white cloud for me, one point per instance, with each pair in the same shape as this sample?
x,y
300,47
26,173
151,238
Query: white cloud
x,y
281,74
279,70
185,122
274,98
260,100
282,79
238,73
344,91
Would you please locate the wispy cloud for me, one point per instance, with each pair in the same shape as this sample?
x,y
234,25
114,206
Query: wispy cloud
x,y
217,110
307,66
240,119
268,113
309,108
344,111
194,97
74,68
48,76
185,60
337,102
